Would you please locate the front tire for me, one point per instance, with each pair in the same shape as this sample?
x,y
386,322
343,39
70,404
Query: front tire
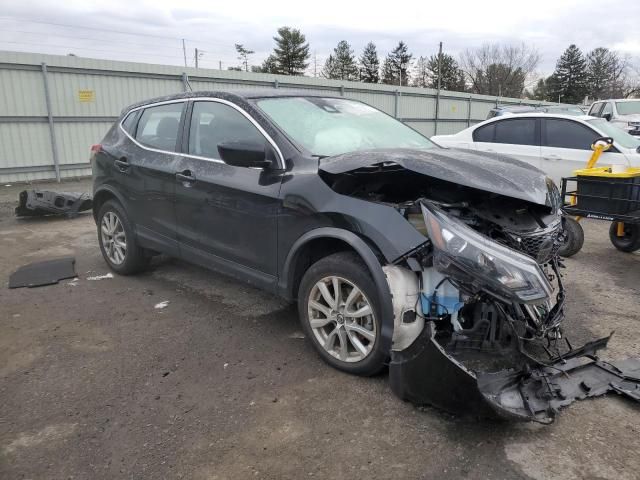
x,y
340,314
630,241
118,241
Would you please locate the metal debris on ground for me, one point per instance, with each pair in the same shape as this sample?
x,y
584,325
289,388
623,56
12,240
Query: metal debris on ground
x,y
43,273
100,277
37,203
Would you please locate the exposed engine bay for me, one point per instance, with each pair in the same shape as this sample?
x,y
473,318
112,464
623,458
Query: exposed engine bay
x,y
479,307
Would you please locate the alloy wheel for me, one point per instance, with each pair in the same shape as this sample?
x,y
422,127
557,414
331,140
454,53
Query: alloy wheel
x,y
342,319
114,239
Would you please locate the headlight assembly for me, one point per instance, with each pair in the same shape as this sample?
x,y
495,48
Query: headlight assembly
x,y
472,258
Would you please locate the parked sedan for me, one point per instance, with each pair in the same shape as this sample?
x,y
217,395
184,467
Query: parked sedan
x,y
556,144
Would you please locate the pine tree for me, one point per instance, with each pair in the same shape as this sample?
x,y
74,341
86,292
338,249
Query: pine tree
x,y
270,65
604,70
342,64
570,77
421,73
396,66
451,77
291,52
329,69
370,64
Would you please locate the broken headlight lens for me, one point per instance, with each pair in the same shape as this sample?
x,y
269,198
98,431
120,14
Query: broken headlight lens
x,y
474,259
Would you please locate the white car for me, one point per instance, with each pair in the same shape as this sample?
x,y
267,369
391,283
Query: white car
x,y
624,114
556,144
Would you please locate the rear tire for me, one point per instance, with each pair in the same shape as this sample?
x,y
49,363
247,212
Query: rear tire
x,y
345,329
630,242
574,237
118,241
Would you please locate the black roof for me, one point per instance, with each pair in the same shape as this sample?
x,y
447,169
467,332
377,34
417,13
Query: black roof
x,y
232,95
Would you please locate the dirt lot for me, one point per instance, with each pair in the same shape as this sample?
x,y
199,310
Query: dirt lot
x,y
97,383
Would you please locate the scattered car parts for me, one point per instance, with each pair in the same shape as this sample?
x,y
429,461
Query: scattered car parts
x,y
43,273
37,203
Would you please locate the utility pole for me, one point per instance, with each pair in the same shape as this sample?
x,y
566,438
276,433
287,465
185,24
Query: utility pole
x,y
196,57
184,52
315,64
435,128
219,64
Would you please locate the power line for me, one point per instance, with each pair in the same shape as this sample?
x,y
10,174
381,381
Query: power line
x,y
71,48
75,37
83,27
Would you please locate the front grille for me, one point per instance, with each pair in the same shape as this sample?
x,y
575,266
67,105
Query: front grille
x,y
541,245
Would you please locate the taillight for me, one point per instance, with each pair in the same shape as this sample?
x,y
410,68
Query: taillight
x,y
97,148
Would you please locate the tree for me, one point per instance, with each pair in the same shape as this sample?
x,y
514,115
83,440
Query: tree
x,y
451,77
269,65
499,70
605,74
396,66
243,56
370,64
342,64
570,77
421,73
291,52
329,69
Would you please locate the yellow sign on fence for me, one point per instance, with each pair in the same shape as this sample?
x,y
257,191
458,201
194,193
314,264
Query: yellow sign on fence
x,y
85,96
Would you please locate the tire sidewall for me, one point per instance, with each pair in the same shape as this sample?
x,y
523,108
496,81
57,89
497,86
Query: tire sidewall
x,y
350,268
628,245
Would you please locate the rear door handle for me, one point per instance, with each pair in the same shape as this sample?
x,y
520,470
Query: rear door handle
x,y
185,176
122,164
552,157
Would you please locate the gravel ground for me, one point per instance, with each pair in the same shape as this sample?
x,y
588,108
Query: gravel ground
x,y
95,382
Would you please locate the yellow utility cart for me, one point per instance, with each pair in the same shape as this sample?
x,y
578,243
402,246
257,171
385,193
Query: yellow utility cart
x,y
607,193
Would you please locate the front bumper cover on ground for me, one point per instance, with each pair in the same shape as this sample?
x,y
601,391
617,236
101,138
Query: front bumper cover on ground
x,y
425,373
36,203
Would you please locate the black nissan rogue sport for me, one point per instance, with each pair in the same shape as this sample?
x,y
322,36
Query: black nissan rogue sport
x,y
393,247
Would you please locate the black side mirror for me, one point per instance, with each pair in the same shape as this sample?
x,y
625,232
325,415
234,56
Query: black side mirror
x,y
244,154
607,117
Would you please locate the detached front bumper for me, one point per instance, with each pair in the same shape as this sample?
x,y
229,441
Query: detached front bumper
x,y
425,373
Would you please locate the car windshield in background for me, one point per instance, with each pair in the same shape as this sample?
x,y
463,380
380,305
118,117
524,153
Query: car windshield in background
x,y
620,137
332,126
628,108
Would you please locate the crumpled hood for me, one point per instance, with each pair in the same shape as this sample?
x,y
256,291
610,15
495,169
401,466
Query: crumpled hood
x,y
481,170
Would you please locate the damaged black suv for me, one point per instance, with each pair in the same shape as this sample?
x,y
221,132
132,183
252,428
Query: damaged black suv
x,y
441,263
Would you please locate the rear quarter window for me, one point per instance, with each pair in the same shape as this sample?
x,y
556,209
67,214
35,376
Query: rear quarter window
x,y
485,133
129,122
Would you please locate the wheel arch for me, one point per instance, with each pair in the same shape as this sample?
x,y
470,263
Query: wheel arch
x,y
320,242
102,195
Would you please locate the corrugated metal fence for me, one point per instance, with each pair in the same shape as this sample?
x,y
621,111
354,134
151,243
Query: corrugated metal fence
x,y
52,108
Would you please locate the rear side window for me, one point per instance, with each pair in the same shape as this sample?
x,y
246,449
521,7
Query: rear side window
x,y
129,123
520,131
484,134
158,126
596,108
560,133
213,123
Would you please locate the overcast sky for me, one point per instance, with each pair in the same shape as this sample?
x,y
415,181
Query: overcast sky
x,y
151,30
